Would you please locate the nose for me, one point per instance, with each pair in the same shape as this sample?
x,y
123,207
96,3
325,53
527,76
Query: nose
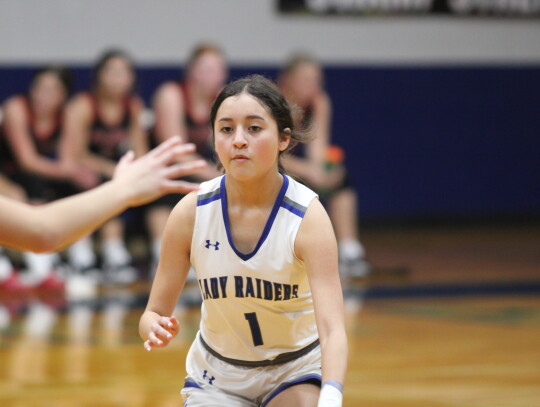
x,y
240,140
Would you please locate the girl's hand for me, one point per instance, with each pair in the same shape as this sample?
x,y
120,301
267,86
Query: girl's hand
x,y
161,333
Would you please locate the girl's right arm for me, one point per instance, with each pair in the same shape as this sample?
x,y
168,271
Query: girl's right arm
x,y
157,326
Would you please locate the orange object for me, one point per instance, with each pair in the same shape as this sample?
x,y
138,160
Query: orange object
x,y
335,154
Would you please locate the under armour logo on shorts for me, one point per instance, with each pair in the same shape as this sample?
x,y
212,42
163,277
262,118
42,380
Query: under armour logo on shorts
x,y
210,379
215,245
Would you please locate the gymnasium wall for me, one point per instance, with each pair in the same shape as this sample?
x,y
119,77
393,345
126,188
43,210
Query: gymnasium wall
x,y
439,116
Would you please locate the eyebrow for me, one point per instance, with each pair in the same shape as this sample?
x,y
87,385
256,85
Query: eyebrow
x,y
252,116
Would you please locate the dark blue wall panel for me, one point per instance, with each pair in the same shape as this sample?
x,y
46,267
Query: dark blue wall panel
x,y
420,142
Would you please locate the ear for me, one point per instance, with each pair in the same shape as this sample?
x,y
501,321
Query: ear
x,y
284,139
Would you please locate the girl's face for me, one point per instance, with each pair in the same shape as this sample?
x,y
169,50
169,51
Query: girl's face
x,y
47,93
209,72
305,82
247,140
116,78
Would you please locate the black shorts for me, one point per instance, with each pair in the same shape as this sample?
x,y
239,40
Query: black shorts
x,y
43,189
326,194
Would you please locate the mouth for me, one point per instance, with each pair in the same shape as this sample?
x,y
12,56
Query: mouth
x,y
240,157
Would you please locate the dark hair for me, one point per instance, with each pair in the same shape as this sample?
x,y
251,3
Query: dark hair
x,y
64,76
200,50
296,60
269,95
105,58
293,63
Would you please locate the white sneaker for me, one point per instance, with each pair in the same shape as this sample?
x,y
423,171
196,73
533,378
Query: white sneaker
x,y
81,287
122,275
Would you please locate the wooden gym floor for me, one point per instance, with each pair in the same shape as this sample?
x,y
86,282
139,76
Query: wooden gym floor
x,y
460,328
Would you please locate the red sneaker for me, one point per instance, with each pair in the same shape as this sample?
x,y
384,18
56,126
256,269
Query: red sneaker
x,y
51,283
13,285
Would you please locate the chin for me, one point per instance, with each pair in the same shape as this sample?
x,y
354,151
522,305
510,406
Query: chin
x,y
241,174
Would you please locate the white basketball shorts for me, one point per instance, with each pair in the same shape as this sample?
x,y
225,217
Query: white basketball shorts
x,y
212,382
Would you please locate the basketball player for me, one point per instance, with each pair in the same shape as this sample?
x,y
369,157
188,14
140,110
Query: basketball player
x,y
265,257
53,226
100,126
183,108
301,81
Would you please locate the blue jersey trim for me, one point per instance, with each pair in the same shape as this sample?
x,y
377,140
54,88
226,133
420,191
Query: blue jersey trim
x,y
293,209
267,227
285,386
192,384
209,197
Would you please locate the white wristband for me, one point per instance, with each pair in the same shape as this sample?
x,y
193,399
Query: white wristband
x,y
330,397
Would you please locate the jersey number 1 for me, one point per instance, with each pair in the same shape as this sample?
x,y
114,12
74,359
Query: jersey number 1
x,y
255,328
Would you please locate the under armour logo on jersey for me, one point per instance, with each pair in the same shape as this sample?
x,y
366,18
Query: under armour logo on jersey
x,y
215,245
210,379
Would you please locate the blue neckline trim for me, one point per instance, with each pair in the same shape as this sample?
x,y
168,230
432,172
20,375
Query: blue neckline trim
x,y
269,222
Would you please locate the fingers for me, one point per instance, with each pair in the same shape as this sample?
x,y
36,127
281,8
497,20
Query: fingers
x,y
170,325
172,148
181,170
161,333
166,327
165,146
174,322
127,158
157,340
174,153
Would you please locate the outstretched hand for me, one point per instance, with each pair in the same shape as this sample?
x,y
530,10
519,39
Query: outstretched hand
x,y
161,333
156,173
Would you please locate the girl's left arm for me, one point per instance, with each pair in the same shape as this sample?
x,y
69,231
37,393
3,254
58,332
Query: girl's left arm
x,y
316,246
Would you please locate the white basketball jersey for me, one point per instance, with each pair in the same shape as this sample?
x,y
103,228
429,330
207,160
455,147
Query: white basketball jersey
x,y
255,305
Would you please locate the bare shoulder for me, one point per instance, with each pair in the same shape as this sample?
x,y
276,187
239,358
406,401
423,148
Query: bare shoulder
x,y
80,106
315,231
15,106
182,218
169,92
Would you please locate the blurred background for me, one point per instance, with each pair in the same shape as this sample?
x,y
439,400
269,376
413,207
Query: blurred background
x,y
434,107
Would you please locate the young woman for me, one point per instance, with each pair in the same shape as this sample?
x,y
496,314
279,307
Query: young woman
x,y
301,81
29,156
184,109
265,257
100,126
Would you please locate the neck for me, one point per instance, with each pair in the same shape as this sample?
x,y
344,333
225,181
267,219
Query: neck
x,y
197,94
293,99
107,97
258,192
43,115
